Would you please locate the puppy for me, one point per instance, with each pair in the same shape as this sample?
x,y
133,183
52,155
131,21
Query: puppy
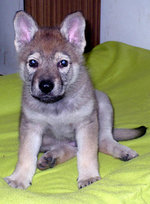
x,y
61,113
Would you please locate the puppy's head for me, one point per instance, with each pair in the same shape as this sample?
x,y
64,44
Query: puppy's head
x,y
50,58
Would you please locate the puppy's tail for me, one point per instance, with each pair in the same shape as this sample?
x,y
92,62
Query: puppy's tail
x,y
129,134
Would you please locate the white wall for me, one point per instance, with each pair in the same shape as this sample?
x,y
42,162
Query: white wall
x,y
127,21
8,60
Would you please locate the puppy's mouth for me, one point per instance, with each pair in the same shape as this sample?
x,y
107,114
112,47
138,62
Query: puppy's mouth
x,y
48,99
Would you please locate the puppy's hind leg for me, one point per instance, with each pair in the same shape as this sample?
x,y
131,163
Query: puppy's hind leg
x,y
107,144
56,154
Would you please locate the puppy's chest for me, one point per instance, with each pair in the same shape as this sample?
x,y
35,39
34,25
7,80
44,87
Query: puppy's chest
x,y
59,125
64,123
62,126
62,131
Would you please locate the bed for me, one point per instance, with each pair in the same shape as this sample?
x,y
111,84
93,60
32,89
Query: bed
x,y
123,72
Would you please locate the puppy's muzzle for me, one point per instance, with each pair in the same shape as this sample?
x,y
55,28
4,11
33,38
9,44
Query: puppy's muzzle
x,y
46,94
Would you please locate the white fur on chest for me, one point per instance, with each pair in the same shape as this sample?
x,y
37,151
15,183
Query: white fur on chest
x,y
64,123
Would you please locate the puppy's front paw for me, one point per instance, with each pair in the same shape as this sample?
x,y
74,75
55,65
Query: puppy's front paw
x,y
84,183
15,182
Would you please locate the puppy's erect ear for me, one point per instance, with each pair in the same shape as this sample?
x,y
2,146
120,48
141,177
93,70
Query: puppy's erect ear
x,y
25,28
73,28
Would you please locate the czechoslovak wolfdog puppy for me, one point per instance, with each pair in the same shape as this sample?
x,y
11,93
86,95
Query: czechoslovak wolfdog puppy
x,y
62,115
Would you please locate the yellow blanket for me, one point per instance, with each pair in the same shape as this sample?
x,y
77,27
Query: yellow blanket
x,y
123,72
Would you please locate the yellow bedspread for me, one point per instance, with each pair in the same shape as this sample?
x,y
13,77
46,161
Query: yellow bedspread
x,y
123,72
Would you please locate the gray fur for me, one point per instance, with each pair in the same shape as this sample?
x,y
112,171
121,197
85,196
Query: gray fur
x,y
61,112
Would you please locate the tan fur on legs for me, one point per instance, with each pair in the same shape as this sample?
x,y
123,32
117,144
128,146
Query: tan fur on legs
x,y
87,140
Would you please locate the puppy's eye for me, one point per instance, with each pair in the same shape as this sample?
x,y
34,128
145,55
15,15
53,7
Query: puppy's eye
x,y
33,63
62,63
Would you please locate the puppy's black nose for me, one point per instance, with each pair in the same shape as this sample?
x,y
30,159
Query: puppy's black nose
x,y
46,86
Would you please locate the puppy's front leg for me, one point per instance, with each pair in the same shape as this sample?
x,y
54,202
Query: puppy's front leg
x,y
87,140
30,142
